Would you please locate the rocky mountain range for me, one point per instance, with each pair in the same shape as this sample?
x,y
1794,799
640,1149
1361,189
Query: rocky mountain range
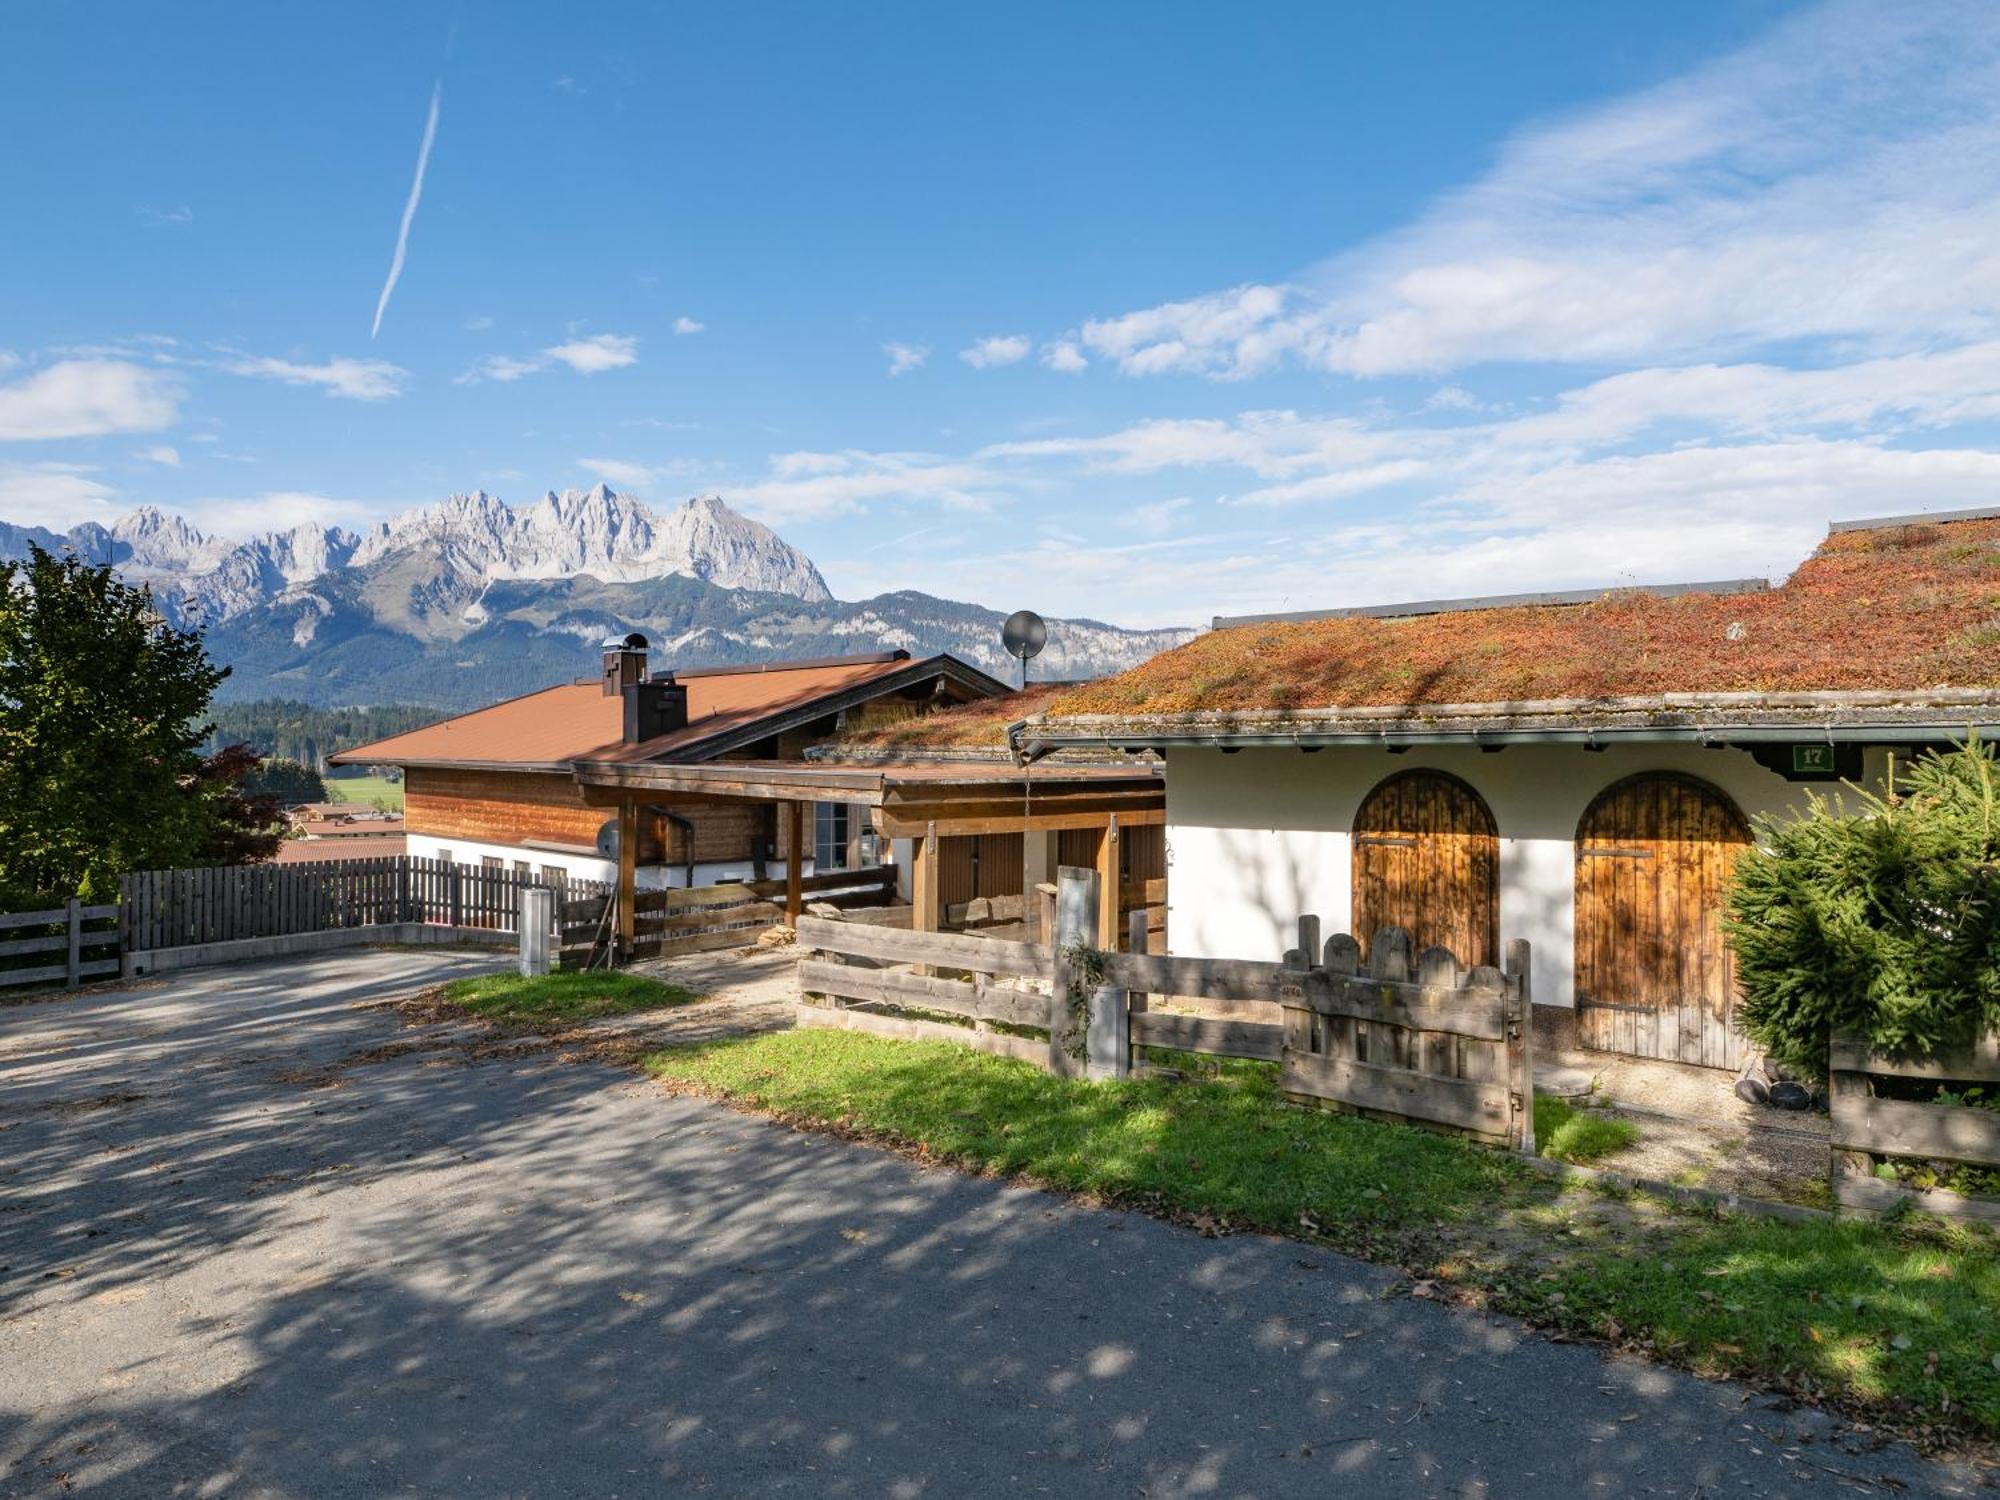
x,y
470,600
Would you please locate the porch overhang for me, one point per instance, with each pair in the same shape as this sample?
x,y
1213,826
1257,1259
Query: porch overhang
x,y
907,800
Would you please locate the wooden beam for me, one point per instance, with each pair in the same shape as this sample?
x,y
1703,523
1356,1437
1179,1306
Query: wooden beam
x,y
924,916
795,865
1109,928
905,827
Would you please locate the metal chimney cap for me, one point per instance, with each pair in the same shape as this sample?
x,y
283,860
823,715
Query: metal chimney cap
x,y
632,642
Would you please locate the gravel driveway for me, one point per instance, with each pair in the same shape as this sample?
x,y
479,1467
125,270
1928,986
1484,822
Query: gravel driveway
x,y
258,1238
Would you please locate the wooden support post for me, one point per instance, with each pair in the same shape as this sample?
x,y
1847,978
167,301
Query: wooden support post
x,y
1109,889
1521,1045
74,911
1137,940
795,865
924,914
627,895
1078,906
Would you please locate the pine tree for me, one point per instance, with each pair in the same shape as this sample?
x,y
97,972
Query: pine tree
x,y
103,708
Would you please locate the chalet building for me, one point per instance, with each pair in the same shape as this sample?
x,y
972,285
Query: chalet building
x,y
1578,770
502,786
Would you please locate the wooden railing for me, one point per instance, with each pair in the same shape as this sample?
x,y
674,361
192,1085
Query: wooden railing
x,y
227,903
667,923
75,930
1870,1130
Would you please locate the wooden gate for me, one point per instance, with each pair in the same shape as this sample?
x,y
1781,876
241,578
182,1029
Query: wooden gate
x,y
1427,860
1654,977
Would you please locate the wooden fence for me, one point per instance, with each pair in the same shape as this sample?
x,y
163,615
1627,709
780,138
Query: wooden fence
x,y
78,942
666,923
227,903
1438,1043
1869,1128
1441,1046
846,982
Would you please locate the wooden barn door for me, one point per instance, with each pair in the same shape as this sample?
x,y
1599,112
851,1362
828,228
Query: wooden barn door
x,y
1427,859
1654,977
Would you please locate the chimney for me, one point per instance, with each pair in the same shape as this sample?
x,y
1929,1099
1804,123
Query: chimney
x,y
624,663
655,707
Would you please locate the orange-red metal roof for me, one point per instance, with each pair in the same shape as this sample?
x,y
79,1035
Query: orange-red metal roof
x,y
576,721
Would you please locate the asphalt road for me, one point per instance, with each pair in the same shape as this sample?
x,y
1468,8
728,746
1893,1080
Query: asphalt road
x,y
243,1252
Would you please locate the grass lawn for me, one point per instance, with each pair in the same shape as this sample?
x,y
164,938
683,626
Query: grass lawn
x,y
369,791
1579,1135
1900,1320
563,996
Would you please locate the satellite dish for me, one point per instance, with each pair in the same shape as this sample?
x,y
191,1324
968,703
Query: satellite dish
x,y
607,839
1024,635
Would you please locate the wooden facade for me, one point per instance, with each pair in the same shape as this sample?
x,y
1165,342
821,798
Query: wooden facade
x,y
526,808
1654,975
1427,861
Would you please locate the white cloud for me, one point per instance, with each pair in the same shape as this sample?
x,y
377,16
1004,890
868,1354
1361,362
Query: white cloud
x,y
618,472
176,217
351,379
1001,349
479,323
1453,398
54,495
87,398
281,510
904,358
162,454
1064,357
813,486
1157,517
586,356
1838,179
599,352
686,325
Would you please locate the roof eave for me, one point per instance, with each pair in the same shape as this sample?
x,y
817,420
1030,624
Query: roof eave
x,y
1884,718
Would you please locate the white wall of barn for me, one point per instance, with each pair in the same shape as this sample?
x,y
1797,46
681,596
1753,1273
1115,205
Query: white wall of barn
x,y
581,866
1260,836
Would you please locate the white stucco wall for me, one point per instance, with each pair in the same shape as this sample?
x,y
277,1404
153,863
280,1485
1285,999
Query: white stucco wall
x,y
581,866
1258,837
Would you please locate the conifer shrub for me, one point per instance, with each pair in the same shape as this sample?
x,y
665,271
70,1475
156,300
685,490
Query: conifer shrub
x,y
1876,914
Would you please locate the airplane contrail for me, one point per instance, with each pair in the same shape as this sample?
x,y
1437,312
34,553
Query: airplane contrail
x,y
409,210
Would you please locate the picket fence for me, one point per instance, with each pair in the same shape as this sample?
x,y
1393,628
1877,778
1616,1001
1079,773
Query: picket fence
x,y
227,903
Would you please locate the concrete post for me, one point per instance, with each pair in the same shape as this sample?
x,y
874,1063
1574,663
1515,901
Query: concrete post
x,y
1106,1053
538,916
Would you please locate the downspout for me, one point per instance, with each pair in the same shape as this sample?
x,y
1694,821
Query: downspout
x,y
1030,755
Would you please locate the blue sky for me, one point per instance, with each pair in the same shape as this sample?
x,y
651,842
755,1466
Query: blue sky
x,y
1142,311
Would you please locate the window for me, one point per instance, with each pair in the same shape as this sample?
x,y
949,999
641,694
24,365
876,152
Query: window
x,y
522,867
554,875
831,822
492,862
444,856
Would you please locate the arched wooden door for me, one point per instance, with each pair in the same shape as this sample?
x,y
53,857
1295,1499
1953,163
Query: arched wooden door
x,y
1427,858
1654,977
